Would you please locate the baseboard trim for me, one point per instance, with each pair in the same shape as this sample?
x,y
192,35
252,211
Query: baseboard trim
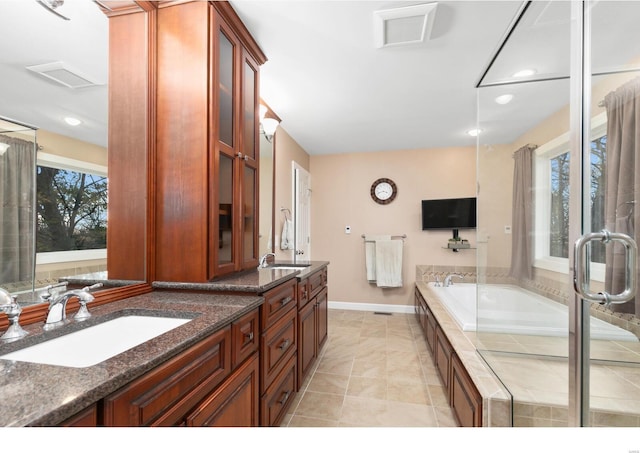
x,y
371,307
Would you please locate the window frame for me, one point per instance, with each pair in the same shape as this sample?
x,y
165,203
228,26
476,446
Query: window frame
x,y
66,163
542,201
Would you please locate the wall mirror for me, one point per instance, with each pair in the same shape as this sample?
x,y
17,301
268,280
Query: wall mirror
x,y
55,77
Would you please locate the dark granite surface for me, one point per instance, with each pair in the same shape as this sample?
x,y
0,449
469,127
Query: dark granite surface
x,y
253,281
44,395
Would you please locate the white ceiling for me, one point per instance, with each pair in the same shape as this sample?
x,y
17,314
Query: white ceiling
x,y
334,90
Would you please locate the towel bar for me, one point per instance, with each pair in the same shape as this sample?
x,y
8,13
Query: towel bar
x,y
395,236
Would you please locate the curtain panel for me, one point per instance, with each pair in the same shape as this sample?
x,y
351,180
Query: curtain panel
x,y
17,189
522,214
623,182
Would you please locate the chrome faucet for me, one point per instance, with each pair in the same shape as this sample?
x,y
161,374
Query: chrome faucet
x,y
9,305
56,315
447,279
263,260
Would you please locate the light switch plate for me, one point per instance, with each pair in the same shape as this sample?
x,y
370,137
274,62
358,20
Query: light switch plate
x,y
347,230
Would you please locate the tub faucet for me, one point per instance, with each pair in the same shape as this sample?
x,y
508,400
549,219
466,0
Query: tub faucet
x,y
9,305
57,316
447,279
263,260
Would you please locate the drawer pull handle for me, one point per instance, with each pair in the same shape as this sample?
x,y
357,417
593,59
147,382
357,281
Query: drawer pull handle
x,y
284,398
249,336
285,344
304,294
286,300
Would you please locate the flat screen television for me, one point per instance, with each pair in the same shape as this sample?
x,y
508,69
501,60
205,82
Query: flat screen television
x,y
449,213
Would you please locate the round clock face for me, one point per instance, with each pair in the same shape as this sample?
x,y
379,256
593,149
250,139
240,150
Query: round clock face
x,y
383,191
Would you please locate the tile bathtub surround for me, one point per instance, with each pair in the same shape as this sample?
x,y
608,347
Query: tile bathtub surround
x,y
374,371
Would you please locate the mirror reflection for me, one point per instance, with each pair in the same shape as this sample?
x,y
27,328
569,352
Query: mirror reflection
x,y
56,80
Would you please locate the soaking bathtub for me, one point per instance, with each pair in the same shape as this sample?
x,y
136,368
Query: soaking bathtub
x,y
510,309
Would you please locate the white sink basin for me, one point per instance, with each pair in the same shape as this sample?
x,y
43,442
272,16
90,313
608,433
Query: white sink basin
x,y
298,268
97,343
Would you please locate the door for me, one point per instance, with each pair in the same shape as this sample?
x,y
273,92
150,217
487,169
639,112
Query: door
x,y
556,314
302,213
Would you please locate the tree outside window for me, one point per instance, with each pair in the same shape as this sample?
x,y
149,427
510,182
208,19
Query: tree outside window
x,y
72,210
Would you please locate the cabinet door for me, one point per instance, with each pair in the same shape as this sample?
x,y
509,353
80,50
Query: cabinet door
x,y
234,404
163,396
443,355
322,313
225,183
307,344
466,401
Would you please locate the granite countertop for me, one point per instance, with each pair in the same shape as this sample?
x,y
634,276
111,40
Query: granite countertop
x,y
45,395
253,281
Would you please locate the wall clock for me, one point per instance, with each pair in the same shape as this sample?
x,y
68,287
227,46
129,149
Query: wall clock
x,y
383,191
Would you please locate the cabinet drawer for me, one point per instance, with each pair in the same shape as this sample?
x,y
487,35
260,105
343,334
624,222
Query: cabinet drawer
x,y
164,395
245,337
278,345
277,302
235,403
274,403
85,418
303,293
317,281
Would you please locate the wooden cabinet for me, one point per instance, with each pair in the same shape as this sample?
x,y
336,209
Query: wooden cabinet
x,y
442,358
234,403
202,386
466,401
278,352
206,163
462,394
312,320
87,418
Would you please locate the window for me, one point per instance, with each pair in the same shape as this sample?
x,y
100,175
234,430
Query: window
x,y
551,166
71,210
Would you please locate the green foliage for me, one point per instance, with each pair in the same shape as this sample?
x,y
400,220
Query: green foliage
x,y
72,210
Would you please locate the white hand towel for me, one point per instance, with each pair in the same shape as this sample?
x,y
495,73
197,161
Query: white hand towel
x,y
286,241
389,263
370,254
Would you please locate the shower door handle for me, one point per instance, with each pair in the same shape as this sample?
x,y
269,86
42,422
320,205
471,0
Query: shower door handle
x,y
582,264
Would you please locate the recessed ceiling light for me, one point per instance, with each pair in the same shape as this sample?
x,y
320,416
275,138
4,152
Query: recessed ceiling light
x,y
504,99
525,73
72,121
474,132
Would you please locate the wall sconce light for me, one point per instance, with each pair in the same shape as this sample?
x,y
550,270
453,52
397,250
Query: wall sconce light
x,y
3,148
269,122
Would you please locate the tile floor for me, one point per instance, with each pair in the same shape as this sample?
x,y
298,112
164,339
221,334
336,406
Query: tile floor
x,y
374,371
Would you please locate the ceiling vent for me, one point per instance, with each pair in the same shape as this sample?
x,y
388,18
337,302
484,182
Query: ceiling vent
x,y
405,25
59,72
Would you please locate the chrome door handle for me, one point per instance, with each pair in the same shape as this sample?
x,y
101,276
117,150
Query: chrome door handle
x,y
582,263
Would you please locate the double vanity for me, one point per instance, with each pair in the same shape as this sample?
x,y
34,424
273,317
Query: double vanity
x,y
232,352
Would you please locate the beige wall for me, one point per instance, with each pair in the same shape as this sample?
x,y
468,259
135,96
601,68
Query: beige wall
x,y
341,196
71,148
287,150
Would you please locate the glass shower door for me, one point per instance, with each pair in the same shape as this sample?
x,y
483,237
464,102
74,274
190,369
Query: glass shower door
x,y
545,180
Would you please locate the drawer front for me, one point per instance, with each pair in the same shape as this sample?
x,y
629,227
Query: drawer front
x,y
85,418
274,403
278,345
233,404
277,302
245,334
317,281
166,393
303,293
